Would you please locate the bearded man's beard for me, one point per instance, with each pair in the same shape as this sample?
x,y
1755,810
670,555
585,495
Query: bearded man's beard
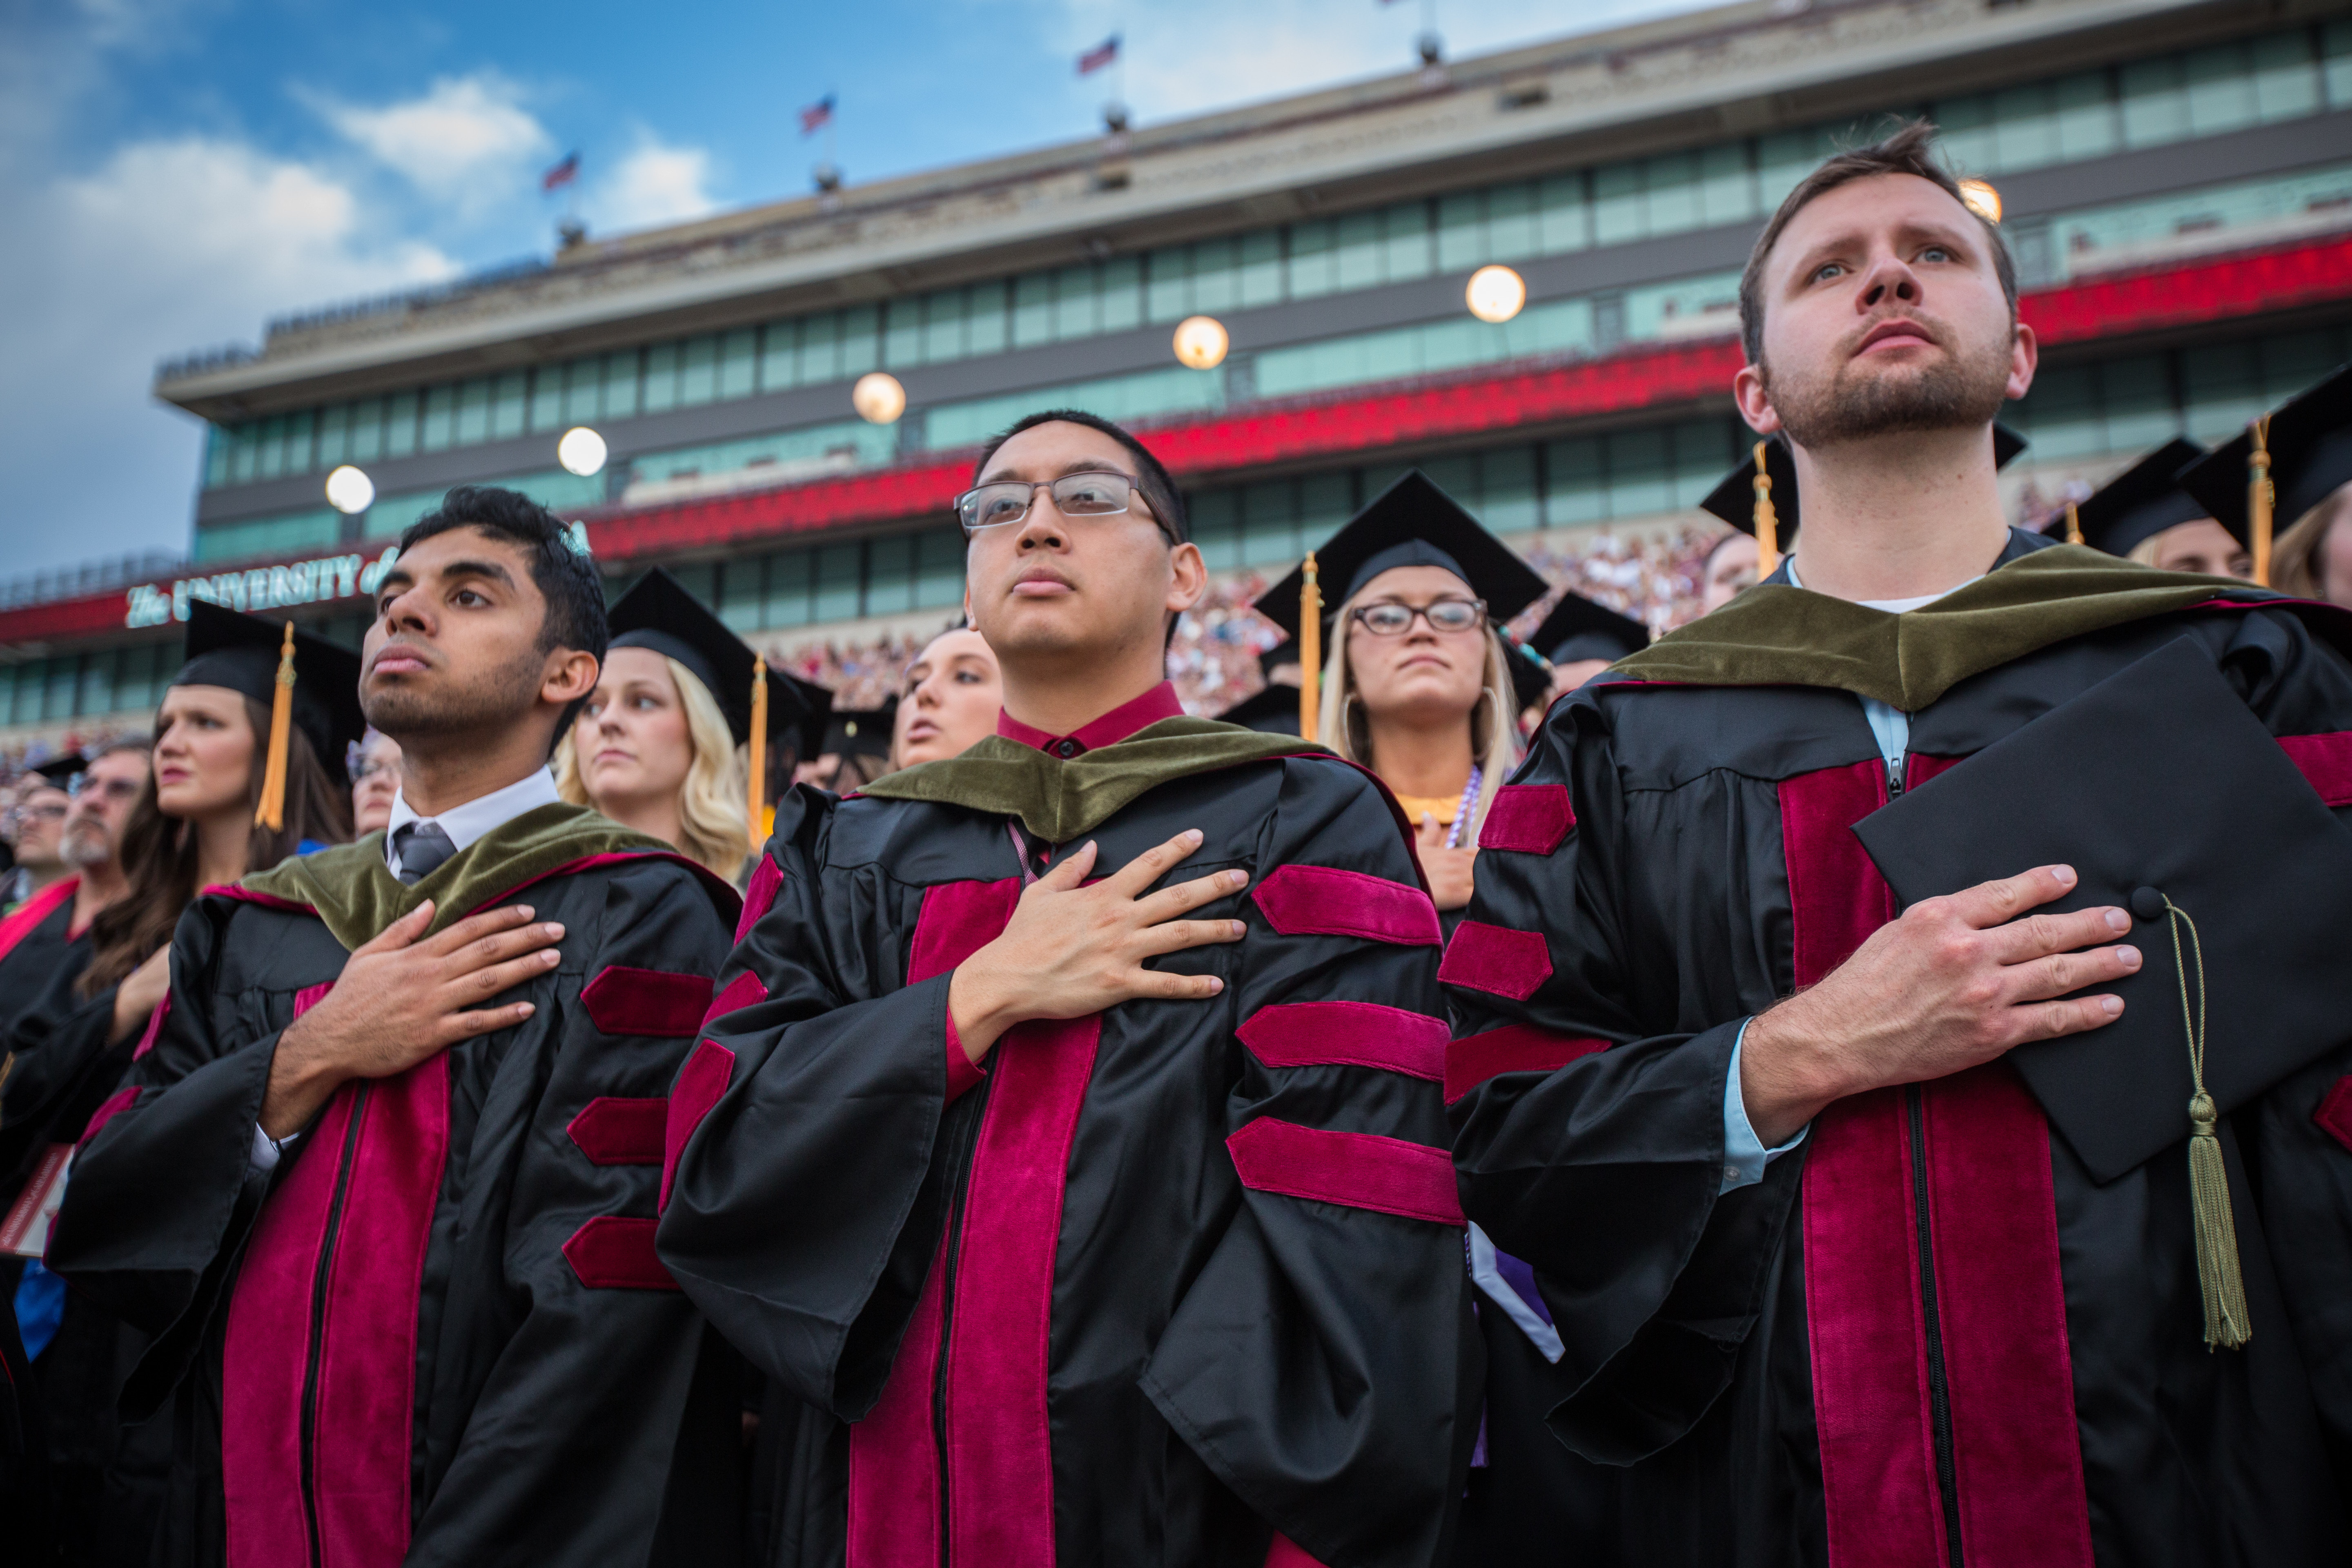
x,y
1857,402
489,701
84,847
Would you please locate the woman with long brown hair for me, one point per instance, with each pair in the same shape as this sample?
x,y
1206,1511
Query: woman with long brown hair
x,y
231,791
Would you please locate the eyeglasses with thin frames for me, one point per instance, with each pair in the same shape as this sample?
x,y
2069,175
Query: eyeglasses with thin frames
x,y
1387,618
1003,502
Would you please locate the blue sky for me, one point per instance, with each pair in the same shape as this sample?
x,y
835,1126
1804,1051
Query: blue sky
x,y
179,171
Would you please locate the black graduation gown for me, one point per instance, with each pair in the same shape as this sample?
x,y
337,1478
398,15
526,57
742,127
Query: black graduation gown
x,y
1788,1375
1167,1279
37,941
436,1333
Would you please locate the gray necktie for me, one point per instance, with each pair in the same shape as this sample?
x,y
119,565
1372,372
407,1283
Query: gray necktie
x,y
421,847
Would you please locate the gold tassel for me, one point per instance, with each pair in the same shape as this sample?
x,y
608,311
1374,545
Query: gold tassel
x,y
271,811
2260,496
1310,651
2228,1325
2073,525
1768,521
757,817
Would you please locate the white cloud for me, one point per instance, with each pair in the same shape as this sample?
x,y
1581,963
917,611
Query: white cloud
x,y
467,139
167,245
655,184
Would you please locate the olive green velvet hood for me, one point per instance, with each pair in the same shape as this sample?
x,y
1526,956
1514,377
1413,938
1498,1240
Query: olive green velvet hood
x,y
1058,801
1775,635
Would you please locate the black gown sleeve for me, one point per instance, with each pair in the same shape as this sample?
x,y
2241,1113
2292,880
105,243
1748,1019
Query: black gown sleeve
x,y
1321,1362
63,1065
163,1194
808,1199
579,1367
1588,1129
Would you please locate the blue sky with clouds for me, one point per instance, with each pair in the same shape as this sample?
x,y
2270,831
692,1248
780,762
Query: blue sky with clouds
x,y
179,171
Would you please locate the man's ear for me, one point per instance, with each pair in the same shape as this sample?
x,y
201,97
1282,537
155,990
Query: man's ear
x,y
570,674
1754,400
2024,356
1188,578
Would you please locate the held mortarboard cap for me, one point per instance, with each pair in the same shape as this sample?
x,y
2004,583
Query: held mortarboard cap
x,y
1410,523
245,653
60,770
2140,502
862,732
2308,444
2229,832
1734,499
1272,710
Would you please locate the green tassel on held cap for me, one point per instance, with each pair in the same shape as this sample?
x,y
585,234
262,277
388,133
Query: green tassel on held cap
x,y
2228,1326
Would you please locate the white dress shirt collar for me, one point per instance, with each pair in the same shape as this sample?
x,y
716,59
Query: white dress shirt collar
x,y
477,817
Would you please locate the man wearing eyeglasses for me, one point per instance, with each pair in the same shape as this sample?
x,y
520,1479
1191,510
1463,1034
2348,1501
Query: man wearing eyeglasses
x,y
73,837
1066,1133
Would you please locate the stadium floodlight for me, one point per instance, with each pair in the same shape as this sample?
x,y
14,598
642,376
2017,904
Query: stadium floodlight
x,y
1201,342
349,490
1496,293
582,452
1982,199
878,398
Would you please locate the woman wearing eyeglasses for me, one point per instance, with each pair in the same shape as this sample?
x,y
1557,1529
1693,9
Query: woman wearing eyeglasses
x,y
1416,683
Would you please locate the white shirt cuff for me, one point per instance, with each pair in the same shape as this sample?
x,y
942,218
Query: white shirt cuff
x,y
265,1150
1744,1154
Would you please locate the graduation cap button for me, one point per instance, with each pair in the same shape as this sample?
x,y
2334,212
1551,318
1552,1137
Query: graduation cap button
x,y
2148,903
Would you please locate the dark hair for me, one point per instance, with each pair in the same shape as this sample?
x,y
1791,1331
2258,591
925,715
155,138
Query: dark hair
x,y
1160,492
1907,149
160,854
567,579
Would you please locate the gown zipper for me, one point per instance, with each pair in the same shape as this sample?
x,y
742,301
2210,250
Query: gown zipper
x,y
1939,1396
319,1321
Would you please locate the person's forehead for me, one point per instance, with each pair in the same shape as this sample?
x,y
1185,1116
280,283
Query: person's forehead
x,y
958,644
467,541
1416,582
636,664
1048,450
203,697
127,765
1875,203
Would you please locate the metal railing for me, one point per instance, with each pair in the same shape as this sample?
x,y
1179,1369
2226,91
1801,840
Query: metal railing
x,y
88,577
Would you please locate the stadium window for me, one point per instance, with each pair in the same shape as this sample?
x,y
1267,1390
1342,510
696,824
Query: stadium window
x,y
2083,116
697,370
1511,222
1168,292
739,354
244,450
1703,449
1617,204
96,692
2285,76
902,332
1964,132
1216,276
779,343
1462,231
2061,416
1563,215
1313,261
217,451
434,430
985,318
400,425
661,378
861,340
510,398
1122,294
1727,190
301,427
1217,523
334,434
943,317
839,573
367,429
938,568
2136,399
2335,63
1640,472
1408,252
14,680
1506,489
2154,101
820,350
272,460
743,594
1269,518
1359,252
889,575
1260,268
1077,303
546,398
473,421
787,590
1670,183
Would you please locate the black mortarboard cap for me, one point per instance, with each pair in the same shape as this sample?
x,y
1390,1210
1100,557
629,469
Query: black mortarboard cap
x,y
1410,523
2140,502
2310,444
659,614
60,770
2232,834
229,649
862,732
1581,628
1734,499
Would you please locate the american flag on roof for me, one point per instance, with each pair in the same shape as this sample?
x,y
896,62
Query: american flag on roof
x,y
816,115
564,174
1101,55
